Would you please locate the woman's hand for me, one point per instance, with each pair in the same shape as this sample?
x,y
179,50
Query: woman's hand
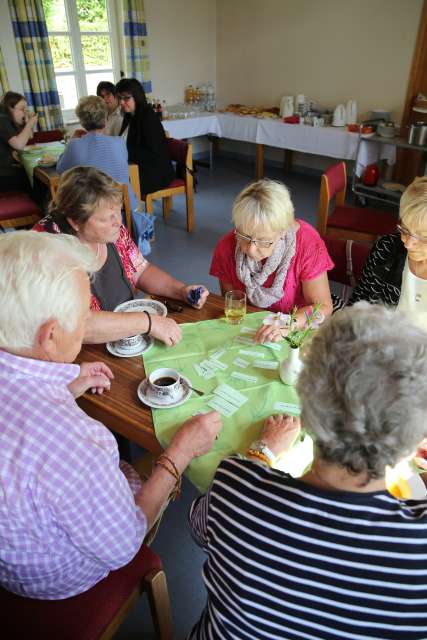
x,y
280,433
166,330
196,436
32,120
187,295
270,333
79,133
93,375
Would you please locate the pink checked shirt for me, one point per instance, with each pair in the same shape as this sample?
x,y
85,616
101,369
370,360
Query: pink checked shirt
x,y
67,510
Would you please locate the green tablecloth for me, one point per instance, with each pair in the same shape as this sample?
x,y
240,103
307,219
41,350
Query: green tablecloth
x,y
201,339
31,157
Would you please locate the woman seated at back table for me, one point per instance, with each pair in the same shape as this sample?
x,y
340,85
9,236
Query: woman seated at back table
x,y
107,91
16,128
145,137
331,555
107,153
88,205
280,262
395,273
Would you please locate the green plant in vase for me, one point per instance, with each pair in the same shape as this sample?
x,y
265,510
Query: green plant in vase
x,y
292,365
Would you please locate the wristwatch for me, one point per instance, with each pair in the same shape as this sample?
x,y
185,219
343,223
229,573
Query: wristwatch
x,y
259,445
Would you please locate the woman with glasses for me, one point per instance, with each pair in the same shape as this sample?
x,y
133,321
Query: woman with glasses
x,y
145,137
396,271
16,128
279,261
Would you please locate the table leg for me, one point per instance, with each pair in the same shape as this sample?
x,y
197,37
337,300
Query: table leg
x,y
287,160
259,162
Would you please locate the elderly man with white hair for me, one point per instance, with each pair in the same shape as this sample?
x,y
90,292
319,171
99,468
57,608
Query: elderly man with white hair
x,y
70,512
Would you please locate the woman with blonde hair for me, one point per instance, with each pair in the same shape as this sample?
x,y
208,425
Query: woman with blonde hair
x,y
396,271
280,262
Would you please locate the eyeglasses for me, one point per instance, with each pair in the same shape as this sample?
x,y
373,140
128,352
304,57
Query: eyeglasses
x,y
125,98
261,244
405,232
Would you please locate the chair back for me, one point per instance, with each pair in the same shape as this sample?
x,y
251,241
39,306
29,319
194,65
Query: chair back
x,y
178,152
39,137
349,257
333,184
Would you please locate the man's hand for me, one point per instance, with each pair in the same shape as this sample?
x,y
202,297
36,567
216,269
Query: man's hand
x,y
166,330
280,433
188,295
93,375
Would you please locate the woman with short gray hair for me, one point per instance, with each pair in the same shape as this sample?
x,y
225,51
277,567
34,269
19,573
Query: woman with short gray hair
x,y
330,555
108,154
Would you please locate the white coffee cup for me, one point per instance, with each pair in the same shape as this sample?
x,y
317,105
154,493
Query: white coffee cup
x,y
131,343
164,384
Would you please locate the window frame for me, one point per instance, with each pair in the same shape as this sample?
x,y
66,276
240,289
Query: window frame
x,y
74,34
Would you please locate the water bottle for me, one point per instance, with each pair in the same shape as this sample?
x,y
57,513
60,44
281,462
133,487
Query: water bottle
x,y
211,98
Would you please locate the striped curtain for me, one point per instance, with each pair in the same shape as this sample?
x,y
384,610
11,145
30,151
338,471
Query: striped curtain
x,y
35,61
136,42
4,84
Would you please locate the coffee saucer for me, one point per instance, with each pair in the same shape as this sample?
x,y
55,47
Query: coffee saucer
x,y
146,398
154,307
128,353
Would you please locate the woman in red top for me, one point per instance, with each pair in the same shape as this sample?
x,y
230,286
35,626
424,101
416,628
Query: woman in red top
x,y
280,262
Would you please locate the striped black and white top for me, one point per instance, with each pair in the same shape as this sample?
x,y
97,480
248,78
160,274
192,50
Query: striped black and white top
x,y
287,560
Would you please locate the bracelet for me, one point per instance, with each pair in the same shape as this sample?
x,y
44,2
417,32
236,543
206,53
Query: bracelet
x,y
166,463
147,333
261,456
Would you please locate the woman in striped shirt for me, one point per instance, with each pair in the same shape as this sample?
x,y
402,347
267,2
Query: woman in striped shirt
x,y
332,555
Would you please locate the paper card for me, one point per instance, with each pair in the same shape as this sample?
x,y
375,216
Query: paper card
x,y
286,407
198,369
208,366
230,394
247,330
243,376
217,354
242,340
239,362
253,354
216,364
273,345
266,364
221,405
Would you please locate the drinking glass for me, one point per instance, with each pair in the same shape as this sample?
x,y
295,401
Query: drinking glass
x,y
235,306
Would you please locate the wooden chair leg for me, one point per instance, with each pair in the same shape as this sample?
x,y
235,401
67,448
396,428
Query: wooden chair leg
x,y
167,205
189,196
157,591
148,205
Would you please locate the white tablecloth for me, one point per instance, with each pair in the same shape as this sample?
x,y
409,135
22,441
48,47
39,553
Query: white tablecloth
x,y
333,142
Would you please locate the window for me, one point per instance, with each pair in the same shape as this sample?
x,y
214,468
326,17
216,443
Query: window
x,y
84,43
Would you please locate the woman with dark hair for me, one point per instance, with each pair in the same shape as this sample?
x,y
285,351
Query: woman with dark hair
x,y
16,128
145,137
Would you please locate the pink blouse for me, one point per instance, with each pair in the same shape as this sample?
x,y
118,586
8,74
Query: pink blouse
x,y
310,261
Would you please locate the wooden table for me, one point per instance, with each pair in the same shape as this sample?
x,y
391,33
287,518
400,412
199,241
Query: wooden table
x,y
119,409
50,177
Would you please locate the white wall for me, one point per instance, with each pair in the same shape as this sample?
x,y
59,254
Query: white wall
x,y
8,48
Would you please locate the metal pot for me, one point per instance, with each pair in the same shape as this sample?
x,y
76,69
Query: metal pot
x,y
418,134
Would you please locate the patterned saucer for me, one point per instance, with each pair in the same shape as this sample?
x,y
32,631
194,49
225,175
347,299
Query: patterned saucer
x,y
154,307
146,398
128,353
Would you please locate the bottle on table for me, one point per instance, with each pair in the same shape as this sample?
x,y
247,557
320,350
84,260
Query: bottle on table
x,y
165,113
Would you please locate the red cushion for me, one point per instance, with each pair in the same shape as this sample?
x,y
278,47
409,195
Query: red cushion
x,y
177,150
46,136
82,617
363,219
336,178
176,182
17,204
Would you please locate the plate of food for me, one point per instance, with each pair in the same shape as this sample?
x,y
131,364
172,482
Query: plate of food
x,y
47,161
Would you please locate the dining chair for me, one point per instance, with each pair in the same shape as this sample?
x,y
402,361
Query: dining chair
x,y
181,153
17,209
95,614
347,222
39,137
349,258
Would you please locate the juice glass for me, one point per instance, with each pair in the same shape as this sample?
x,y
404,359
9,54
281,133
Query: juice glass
x,y
235,306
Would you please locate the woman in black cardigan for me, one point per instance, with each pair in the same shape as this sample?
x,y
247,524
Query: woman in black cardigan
x,y
145,137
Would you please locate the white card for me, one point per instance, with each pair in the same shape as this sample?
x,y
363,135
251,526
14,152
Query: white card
x,y
242,340
247,330
253,354
230,394
217,354
243,376
198,369
221,405
266,364
216,364
287,407
272,345
239,362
